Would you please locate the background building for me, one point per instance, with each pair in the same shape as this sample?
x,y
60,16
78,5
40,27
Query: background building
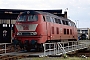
x,y
84,31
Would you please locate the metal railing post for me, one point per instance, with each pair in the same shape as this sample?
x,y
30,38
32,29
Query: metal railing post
x,y
68,46
72,45
58,48
50,48
54,49
44,49
5,48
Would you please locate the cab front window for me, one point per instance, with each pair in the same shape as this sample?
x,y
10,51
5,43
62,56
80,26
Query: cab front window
x,y
22,18
32,17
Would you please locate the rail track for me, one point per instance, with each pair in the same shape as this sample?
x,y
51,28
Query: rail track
x,y
18,55
12,57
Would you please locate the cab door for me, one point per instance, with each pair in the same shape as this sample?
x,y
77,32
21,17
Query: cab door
x,y
48,27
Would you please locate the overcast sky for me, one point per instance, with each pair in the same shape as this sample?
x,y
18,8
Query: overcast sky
x,y
78,10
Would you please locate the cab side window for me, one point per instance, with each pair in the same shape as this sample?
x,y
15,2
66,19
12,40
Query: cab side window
x,y
58,21
48,19
65,22
44,18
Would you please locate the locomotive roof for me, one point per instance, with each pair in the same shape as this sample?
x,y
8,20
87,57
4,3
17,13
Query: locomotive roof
x,y
43,13
49,14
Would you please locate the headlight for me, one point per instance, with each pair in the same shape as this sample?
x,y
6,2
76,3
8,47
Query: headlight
x,y
34,33
19,33
27,33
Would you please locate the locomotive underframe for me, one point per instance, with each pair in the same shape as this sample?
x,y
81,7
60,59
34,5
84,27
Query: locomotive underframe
x,y
33,45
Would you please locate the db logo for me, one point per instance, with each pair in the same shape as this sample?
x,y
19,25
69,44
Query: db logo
x,y
25,27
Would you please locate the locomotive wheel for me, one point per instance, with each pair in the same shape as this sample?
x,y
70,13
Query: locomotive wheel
x,y
28,49
31,47
37,47
34,47
40,47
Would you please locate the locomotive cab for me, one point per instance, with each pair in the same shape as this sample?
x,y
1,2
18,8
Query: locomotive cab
x,y
28,29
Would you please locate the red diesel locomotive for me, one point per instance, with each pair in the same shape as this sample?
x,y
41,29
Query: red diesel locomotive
x,y
33,28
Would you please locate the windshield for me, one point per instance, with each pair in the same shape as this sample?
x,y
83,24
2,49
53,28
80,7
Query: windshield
x,y
22,18
32,17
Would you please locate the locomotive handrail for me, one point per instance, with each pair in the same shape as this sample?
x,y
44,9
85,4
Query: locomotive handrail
x,y
49,43
49,49
64,49
5,46
4,43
